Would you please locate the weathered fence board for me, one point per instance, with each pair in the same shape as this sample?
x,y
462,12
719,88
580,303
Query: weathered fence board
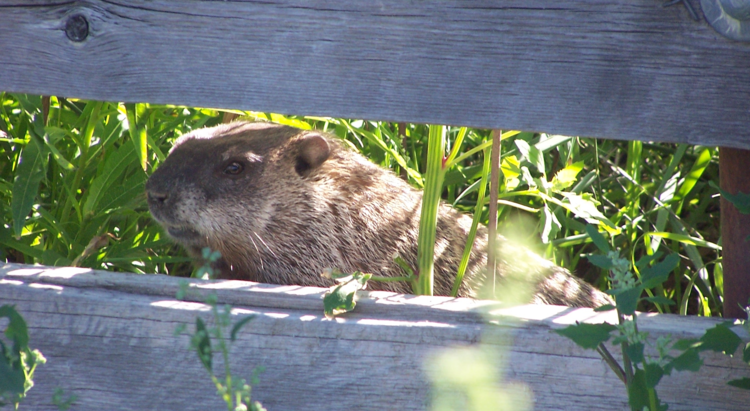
x,y
623,69
109,339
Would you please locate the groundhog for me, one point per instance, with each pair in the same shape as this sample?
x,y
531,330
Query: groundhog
x,y
283,205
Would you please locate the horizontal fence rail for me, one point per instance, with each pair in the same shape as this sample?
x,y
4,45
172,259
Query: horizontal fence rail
x,y
109,339
621,69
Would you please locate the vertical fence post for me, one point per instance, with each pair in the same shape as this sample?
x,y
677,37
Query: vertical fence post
x,y
734,171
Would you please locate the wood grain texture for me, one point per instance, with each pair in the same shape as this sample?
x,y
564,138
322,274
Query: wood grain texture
x,y
734,169
108,338
622,69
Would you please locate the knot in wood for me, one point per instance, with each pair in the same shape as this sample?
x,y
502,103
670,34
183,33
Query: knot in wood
x,y
77,28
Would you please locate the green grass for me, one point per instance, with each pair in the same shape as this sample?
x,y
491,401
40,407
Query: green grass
x,y
72,182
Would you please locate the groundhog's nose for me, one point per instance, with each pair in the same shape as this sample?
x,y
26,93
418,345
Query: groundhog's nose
x,y
157,197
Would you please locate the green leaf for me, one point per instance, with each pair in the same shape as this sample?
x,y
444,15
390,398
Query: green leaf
x,y
137,117
202,344
587,336
644,261
743,383
16,330
113,168
49,142
511,169
695,173
281,119
342,298
635,352
687,361
746,354
32,104
605,307
239,324
433,187
550,225
129,193
11,379
552,141
567,176
532,154
720,339
30,171
584,206
527,178
685,343
404,266
7,239
640,395
654,372
597,238
378,141
627,301
659,300
740,200
601,261
685,239
658,273
638,391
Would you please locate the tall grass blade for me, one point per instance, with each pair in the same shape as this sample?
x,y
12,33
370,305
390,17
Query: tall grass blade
x,y
474,224
481,147
137,127
551,142
31,169
685,239
113,168
695,173
131,191
430,203
49,135
665,193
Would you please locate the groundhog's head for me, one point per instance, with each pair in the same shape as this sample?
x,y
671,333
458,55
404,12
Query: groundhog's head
x,y
219,187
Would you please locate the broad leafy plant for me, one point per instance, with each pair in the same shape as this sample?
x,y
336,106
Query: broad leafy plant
x,y
209,339
639,371
18,361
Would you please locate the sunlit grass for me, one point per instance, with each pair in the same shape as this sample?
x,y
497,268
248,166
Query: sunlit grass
x,y
82,200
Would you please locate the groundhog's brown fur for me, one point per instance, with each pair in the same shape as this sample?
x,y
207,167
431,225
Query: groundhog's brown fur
x,y
282,205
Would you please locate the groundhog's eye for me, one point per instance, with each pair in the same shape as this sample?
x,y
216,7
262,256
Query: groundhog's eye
x,y
234,168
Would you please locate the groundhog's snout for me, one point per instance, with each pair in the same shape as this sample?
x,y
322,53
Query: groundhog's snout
x,y
158,195
158,204
161,205
156,198
160,198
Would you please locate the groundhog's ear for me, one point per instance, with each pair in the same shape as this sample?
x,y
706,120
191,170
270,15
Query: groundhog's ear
x,y
313,150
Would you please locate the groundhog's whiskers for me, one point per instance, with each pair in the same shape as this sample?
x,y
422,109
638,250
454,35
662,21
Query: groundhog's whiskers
x,y
266,245
260,255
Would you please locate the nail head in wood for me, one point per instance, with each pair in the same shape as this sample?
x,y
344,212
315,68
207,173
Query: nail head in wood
x,y
730,18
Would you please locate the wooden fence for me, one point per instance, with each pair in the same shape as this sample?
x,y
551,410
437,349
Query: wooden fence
x,y
110,339
621,69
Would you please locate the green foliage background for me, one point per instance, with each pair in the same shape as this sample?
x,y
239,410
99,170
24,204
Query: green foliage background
x,y
72,174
